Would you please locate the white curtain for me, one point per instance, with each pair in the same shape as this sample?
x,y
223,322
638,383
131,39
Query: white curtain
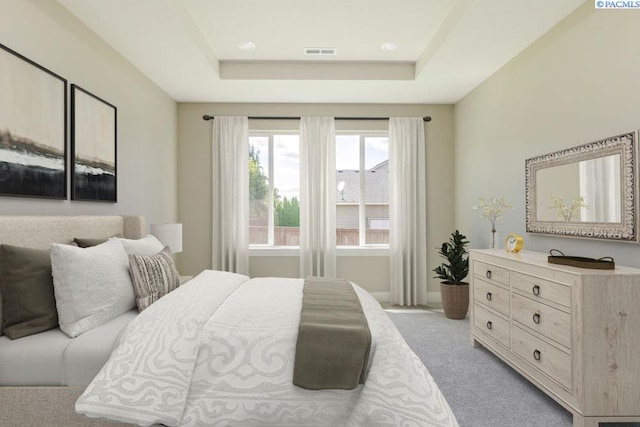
x,y
230,148
407,211
600,188
317,197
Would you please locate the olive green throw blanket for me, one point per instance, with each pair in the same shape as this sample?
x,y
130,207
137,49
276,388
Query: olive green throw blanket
x,y
334,341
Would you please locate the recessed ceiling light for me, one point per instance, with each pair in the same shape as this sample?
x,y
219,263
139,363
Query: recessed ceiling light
x,y
246,45
390,46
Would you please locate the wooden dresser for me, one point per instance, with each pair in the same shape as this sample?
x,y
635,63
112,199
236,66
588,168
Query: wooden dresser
x,y
573,332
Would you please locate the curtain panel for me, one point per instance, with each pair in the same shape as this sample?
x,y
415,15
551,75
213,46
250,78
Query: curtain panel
x,y
317,197
230,213
407,211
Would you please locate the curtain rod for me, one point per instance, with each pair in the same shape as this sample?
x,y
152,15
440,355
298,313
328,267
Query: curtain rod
x,y
208,117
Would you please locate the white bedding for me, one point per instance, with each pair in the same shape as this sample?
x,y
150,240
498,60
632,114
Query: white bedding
x,y
219,350
51,358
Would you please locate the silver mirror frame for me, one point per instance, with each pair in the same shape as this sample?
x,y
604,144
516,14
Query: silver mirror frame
x,y
627,230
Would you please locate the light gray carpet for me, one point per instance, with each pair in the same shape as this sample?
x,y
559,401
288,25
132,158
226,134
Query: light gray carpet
x,y
480,388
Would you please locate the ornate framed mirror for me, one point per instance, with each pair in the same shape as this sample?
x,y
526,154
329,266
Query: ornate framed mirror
x,y
585,191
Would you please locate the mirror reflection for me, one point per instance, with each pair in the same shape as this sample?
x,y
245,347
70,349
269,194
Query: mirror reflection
x,y
583,191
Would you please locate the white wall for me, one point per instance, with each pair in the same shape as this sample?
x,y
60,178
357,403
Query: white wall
x,y
372,273
578,83
43,31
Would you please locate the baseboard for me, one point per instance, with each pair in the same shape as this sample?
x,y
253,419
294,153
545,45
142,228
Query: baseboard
x,y
382,296
434,297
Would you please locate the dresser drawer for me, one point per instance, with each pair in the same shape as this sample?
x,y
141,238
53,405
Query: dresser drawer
x,y
491,272
491,324
491,295
548,321
541,289
548,359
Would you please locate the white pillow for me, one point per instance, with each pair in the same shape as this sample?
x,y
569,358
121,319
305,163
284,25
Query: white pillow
x,y
91,285
147,246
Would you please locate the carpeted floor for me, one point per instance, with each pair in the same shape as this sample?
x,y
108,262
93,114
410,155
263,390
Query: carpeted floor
x,y
481,389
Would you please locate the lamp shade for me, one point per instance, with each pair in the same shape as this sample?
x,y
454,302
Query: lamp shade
x,y
169,235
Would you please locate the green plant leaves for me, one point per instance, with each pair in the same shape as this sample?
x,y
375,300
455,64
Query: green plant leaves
x,y
456,269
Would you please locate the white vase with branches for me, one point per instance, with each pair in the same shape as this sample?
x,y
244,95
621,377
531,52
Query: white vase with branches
x,y
492,209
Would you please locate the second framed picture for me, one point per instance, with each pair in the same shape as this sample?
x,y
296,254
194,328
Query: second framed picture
x,y
93,147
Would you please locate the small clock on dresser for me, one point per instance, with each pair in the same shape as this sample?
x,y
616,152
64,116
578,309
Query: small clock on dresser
x,y
513,242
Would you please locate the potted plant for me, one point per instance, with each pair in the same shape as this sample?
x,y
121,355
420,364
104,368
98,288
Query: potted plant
x,y
454,291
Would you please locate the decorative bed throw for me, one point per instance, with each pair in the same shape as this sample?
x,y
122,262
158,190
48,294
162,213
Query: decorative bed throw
x,y
334,341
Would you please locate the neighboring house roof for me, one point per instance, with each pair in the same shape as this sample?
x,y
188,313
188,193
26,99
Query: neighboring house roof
x,y
376,185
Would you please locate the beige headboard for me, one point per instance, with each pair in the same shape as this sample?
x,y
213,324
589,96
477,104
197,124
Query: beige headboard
x,y
40,231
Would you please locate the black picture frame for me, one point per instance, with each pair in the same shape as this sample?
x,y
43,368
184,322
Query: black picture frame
x,y
33,129
94,147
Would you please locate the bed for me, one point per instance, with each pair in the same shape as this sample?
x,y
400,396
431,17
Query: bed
x,y
185,359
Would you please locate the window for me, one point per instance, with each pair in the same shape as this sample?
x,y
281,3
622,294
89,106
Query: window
x,y
362,193
274,189
362,196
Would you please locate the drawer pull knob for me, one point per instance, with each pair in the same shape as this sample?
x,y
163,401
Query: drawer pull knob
x,y
536,354
536,290
489,324
536,319
488,274
489,296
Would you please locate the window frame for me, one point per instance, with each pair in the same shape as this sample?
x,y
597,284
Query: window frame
x,y
363,249
271,211
362,211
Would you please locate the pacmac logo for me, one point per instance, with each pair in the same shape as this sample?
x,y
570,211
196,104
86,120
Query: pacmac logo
x,y
618,4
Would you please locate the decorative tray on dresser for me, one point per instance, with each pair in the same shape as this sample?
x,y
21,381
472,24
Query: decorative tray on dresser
x,y
573,332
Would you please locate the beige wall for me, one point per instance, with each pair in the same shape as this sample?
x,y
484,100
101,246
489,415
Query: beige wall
x,y
358,269
194,182
578,83
43,31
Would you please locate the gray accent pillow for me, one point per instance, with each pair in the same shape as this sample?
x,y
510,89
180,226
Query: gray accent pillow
x,y
26,285
153,277
89,242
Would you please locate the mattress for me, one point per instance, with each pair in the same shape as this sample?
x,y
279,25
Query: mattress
x,y
51,358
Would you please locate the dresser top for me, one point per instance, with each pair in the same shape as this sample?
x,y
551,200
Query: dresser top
x,y
540,259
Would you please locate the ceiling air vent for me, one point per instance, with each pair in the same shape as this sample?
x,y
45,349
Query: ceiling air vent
x,y
322,51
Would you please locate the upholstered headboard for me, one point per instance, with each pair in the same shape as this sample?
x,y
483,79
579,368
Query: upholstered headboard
x,y
39,232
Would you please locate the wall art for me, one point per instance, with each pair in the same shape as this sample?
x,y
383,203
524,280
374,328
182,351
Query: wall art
x,y
93,147
33,128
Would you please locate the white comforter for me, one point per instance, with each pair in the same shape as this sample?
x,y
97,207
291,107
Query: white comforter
x,y
220,349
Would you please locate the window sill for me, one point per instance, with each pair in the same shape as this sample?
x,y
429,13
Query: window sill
x,y
382,250
340,251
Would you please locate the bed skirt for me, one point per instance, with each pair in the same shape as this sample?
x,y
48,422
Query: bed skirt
x,y
44,406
